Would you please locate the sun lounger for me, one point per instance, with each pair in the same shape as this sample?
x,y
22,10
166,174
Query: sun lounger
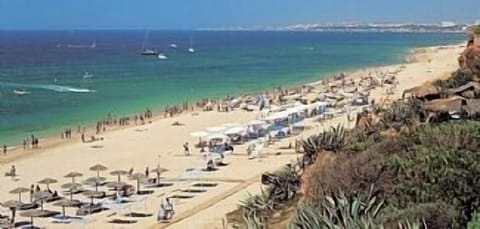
x,y
28,206
89,209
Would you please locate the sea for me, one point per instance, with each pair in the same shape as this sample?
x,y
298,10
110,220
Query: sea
x,y
51,66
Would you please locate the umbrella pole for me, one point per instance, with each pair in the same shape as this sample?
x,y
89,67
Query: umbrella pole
x,y
158,177
138,186
96,187
31,221
98,173
41,204
71,194
118,177
20,197
63,211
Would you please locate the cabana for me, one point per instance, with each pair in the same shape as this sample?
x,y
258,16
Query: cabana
x,y
236,134
200,135
216,129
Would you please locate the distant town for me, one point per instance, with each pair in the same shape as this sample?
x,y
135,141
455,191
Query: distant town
x,y
443,27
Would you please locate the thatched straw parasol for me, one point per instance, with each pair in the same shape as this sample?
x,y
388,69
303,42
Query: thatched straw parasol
x,y
119,173
64,203
96,181
12,205
19,191
41,196
32,214
47,181
139,177
73,175
159,170
97,168
71,187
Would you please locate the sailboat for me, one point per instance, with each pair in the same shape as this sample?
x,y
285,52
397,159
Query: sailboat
x,y
162,56
191,49
145,50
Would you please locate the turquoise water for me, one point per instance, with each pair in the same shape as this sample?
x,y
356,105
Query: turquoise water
x,y
225,63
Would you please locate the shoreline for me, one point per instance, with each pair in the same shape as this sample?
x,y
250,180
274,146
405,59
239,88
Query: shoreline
x,y
53,140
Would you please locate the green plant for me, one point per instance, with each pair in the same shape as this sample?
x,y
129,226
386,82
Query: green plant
x,y
332,140
340,211
475,223
282,185
255,208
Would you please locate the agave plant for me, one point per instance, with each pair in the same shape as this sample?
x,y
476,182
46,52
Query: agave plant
x,y
282,185
341,212
255,208
332,140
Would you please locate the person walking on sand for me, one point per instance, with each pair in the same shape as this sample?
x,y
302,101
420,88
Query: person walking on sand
x,y
4,150
186,150
147,171
161,215
169,211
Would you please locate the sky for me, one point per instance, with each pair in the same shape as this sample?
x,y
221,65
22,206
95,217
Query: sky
x,y
194,14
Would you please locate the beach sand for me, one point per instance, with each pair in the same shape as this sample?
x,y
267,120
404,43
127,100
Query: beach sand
x,y
161,143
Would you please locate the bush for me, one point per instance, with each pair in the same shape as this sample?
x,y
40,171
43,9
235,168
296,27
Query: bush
x,y
451,176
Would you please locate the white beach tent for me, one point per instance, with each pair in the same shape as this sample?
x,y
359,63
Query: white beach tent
x,y
276,116
199,134
236,130
220,137
216,129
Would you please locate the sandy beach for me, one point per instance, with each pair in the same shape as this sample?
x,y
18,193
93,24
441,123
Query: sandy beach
x,y
160,143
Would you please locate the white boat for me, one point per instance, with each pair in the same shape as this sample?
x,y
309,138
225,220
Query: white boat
x,y
191,49
20,92
173,46
145,50
87,75
162,56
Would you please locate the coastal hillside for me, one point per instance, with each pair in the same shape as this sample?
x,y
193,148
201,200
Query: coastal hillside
x,y
410,164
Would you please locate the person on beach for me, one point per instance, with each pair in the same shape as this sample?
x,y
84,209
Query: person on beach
x,y
186,150
24,144
83,137
169,211
5,150
147,171
161,213
13,172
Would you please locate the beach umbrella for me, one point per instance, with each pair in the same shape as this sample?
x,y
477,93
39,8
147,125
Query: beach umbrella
x,y
199,134
119,173
19,191
32,214
138,177
159,170
71,187
47,181
73,175
12,205
64,203
96,181
97,168
41,196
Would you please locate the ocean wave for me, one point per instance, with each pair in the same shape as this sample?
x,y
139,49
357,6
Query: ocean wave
x,y
51,87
